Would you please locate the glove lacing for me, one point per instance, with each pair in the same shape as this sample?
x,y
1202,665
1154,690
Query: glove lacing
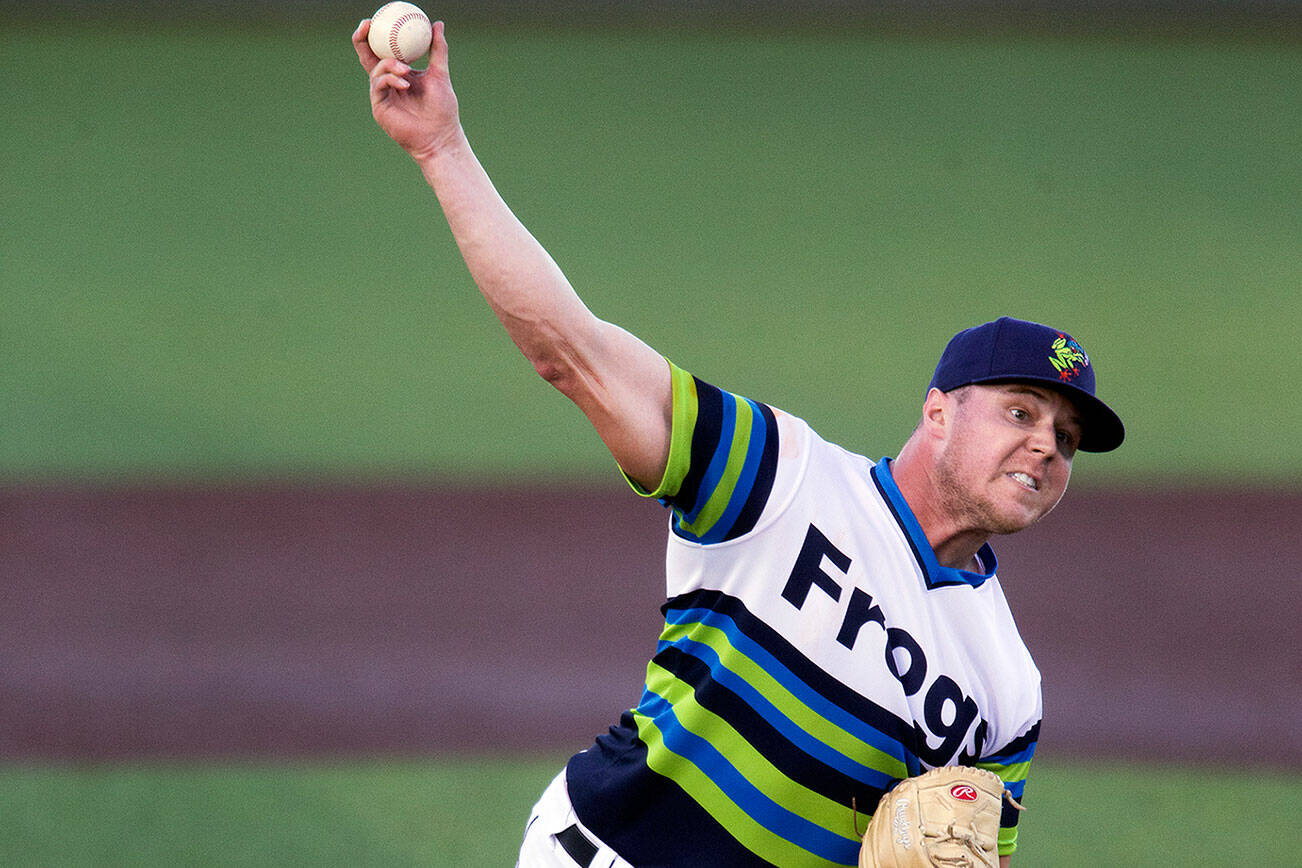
x,y
966,837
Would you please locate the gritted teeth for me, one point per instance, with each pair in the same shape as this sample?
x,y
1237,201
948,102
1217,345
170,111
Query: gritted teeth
x,y
1025,480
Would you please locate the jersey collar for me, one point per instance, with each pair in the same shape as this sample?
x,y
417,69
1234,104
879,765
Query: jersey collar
x,y
935,575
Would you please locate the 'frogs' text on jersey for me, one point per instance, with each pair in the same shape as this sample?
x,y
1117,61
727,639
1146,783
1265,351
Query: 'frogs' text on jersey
x,y
814,653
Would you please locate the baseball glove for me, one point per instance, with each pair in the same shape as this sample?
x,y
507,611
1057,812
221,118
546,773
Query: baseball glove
x,y
944,818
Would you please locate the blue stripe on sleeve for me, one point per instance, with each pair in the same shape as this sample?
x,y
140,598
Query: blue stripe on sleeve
x,y
746,479
765,472
1013,759
718,461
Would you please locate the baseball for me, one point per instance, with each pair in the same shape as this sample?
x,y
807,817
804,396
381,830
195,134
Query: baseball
x,y
400,30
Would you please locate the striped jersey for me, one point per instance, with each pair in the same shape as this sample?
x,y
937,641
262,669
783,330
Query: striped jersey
x,y
814,653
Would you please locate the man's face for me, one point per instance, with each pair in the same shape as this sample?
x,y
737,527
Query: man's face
x,y
1007,456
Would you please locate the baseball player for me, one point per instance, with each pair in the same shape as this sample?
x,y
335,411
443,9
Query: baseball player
x,y
837,655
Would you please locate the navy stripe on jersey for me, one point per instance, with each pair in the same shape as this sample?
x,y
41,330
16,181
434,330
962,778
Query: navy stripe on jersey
x,y
1019,750
797,754
833,699
1010,762
764,475
732,465
705,440
662,823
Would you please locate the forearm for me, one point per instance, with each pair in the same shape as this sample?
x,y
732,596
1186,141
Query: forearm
x,y
620,383
527,291
517,277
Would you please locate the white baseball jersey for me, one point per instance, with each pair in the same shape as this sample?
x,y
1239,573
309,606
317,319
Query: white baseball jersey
x,y
814,653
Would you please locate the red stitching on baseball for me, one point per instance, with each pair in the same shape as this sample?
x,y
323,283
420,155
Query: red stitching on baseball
x,y
393,33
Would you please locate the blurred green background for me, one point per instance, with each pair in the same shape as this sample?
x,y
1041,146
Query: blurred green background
x,y
469,812
214,263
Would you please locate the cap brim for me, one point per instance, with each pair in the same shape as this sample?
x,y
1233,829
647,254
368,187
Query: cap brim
x,y
1101,428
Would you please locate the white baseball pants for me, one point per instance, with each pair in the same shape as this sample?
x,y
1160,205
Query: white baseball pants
x,y
555,838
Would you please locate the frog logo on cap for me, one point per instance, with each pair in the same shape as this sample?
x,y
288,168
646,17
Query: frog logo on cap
x,y
1068,358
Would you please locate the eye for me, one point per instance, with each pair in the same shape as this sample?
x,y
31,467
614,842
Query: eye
x,y
1019,414
1067,438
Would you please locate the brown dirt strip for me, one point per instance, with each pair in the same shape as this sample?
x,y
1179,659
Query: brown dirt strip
x,y
169,622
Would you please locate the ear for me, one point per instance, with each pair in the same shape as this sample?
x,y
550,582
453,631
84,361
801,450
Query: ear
x,y
937,412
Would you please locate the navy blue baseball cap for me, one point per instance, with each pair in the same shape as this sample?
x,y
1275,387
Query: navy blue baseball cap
x,y
1014,350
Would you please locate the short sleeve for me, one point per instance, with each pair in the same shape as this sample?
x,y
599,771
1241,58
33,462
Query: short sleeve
x,y
722,460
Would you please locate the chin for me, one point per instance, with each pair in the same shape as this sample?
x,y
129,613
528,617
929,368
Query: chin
x,y
1002,522
1004,527
1021,520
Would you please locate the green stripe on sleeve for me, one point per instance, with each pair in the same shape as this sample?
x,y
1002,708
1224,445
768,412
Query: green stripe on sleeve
x,y
1007,840
724,491
1008,774
680,438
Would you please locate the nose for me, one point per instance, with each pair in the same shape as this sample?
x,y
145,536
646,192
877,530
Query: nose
x,y
1043,439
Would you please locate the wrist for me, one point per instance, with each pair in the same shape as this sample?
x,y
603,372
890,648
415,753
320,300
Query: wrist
x,y
446,149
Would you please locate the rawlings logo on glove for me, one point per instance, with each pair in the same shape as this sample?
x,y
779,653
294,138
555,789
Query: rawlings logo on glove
x,y
944,818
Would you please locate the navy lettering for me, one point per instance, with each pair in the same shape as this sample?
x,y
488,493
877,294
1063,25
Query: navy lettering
x,y
947,713
967,758
944,692
910,679
862,610
808,570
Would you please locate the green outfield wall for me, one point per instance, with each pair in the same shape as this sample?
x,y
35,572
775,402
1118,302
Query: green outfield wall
x,y
213,263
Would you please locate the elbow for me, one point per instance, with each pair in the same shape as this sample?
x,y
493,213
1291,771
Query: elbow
x,y
561,368
561,361
553,370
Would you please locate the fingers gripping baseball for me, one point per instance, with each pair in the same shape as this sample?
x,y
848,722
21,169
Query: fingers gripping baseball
x,y
417,108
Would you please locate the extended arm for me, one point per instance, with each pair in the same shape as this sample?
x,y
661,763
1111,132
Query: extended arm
x,y
621,384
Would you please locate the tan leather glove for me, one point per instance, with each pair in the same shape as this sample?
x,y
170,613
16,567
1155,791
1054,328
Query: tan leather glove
x,y
944,818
